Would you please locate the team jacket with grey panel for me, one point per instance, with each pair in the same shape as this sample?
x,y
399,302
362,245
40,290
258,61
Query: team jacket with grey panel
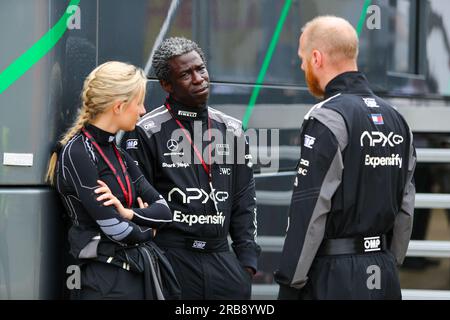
x,y
168,161
354,179
79,167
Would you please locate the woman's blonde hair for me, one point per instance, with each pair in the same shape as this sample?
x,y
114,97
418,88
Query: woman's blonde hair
x,y
110,82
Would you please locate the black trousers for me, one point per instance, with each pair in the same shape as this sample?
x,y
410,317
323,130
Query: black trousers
x,y
104,281
209,276
349,277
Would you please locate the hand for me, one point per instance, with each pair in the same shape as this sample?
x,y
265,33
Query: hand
x,y
111,199
250,271
141,203
145,205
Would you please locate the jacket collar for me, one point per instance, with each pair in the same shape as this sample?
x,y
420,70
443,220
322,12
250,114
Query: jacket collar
x,y
100,136
348,82
183,112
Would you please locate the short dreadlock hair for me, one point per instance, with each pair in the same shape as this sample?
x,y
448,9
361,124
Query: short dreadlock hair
x,y
169,48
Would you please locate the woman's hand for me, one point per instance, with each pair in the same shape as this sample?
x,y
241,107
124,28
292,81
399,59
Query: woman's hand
x,y
141,204
111,199
145,205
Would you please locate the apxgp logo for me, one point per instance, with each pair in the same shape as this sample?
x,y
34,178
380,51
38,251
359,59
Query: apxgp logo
x,y
376,137
197,194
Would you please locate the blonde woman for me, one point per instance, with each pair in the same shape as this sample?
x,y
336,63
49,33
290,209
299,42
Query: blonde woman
x,y
113,209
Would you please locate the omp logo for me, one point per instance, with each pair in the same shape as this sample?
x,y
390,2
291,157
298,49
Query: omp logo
x,y
234,126
309,141
187,114
148,125
191,219
198,194
377,137
225,171
132,144
199,244
372,244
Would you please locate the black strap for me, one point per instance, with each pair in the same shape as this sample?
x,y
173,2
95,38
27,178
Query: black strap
x,y
357,245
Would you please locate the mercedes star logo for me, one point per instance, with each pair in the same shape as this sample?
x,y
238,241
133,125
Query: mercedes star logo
x,y
172,145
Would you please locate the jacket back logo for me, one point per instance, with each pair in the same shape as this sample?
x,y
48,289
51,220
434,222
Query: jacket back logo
x,y
376,137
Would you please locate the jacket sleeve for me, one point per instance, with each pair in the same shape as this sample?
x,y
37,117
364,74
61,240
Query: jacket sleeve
x,y
404,219
157,214
80,174
243,224
319,174
139,147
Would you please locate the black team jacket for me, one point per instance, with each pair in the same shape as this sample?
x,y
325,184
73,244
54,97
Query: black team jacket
x,y
168,160
354,180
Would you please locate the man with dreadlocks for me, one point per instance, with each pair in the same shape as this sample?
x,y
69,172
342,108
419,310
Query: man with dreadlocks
x,y
208,182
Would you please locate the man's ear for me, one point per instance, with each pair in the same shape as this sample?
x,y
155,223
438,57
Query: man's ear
x,y
316,58
166,85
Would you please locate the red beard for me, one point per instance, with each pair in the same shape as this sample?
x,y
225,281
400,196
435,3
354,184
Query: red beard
x,y
313,82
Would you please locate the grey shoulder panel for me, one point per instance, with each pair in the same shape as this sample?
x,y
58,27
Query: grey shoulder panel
x,y
232,124
319,105
333,121
316,227
152,121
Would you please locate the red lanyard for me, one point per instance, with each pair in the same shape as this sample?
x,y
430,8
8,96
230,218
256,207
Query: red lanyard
x,y
197,152
127,193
